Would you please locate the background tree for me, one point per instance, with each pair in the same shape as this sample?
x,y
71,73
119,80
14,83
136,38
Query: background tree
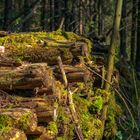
x,y
133,31
123,45
26,25
110,64
7,13
138,40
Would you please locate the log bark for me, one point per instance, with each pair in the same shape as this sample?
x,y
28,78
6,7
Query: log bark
x,y
44,107
6,101
26,77
4,33
39,77
20,118
68,51
73,73
13,134
38,131
7,62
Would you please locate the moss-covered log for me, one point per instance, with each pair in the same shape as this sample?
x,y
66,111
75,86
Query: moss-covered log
x,y
26,77
20,118
12,134
45,108
74,73
68,53
38,131
46,47
7,62
4,33
40,76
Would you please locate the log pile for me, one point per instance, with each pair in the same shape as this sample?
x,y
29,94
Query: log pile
x,y
32,89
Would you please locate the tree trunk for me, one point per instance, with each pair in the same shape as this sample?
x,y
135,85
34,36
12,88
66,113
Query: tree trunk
x,y
80,17
26,25
138,40
114,42
51,15
100,17
133,31
123,45
66,16
7,13
57,14
43,14
110,65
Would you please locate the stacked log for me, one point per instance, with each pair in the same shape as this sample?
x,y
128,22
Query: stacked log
x,y
14,134
20,118
38,81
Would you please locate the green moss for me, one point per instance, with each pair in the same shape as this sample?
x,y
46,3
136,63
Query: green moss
x,y
90,124
53,128
103,93
23,123
65,124
61,138
19,44
97,104
5,124
114,111
80,85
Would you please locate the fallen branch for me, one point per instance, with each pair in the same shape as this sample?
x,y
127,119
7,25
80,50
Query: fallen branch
x,y
70,102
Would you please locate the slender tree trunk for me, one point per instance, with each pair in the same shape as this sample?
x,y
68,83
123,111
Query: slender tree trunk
x,y
100,17
66,15
110,66
114,42
26,25
7,13
73,17
43,14
133,31
95,17
51,15
81,17
123,32
138,40
57,15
